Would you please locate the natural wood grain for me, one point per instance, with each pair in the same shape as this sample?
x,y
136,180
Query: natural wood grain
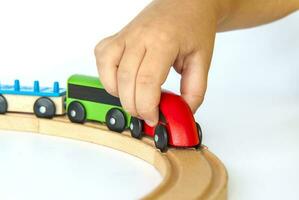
x,y
187,173
22,103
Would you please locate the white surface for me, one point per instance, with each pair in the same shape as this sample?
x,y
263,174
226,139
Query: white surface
x,y
251,111
44,167
250,116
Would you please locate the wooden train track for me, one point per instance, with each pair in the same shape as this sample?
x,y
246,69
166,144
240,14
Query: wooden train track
x,y
187,173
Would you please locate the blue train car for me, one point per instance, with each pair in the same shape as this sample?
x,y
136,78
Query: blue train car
x,y
44,102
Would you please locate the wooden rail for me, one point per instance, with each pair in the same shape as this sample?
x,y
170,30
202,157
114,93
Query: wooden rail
x,y
187,173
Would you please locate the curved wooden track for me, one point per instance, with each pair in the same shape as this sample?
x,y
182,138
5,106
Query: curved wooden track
x,y
187,173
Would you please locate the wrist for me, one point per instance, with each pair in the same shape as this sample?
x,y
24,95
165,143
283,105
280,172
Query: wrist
x,y
223,10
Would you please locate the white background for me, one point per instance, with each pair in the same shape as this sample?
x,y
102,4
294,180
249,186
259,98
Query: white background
x,y
250,116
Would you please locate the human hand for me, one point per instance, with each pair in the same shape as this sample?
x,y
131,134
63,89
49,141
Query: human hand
x,y
135,62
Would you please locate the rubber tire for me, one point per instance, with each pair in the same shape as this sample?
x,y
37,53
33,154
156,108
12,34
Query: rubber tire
x,y
199,131
80,113
48,104
3,105
120,120
136,132
161,138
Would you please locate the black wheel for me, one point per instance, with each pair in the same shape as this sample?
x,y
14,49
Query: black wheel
x,y
199,131
161,138
76,112
116,120
44,108
3,105
136,127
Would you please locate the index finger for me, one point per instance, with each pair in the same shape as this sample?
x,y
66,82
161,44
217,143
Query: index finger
x,y
151,75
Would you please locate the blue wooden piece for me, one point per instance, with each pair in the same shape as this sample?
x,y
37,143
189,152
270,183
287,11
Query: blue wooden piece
x,y
34,90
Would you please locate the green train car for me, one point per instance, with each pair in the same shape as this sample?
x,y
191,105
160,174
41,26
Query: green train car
x,y
88,100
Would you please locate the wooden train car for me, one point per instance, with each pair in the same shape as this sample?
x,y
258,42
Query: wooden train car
x,y
44,102
176,127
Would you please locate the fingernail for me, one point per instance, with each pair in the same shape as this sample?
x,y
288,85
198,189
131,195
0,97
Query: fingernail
x,y
150,123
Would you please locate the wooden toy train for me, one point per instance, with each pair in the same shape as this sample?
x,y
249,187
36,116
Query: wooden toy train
x,y
86,99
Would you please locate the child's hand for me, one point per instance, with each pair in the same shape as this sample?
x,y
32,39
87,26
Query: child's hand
x,y
134,63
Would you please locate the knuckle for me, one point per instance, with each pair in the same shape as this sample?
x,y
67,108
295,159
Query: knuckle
x,y
146,79
163,36
100,53
156,37
124,75
101,64
106,43
99,47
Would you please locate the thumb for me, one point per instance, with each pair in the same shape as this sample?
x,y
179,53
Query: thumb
x,y
194,81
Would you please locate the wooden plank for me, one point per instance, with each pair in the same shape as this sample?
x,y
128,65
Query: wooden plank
x,y
19,122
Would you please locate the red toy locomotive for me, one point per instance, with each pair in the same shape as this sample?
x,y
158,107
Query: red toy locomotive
x,y
176,126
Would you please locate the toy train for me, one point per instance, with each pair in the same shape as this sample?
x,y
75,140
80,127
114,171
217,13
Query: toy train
x,y
86,99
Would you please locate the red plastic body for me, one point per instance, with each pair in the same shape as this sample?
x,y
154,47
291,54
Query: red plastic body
x,y
179,121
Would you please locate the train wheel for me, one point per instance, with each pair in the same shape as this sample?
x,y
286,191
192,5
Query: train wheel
x,y
76,112
44,108
161,138
136,128
199,131
116,120
3,105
